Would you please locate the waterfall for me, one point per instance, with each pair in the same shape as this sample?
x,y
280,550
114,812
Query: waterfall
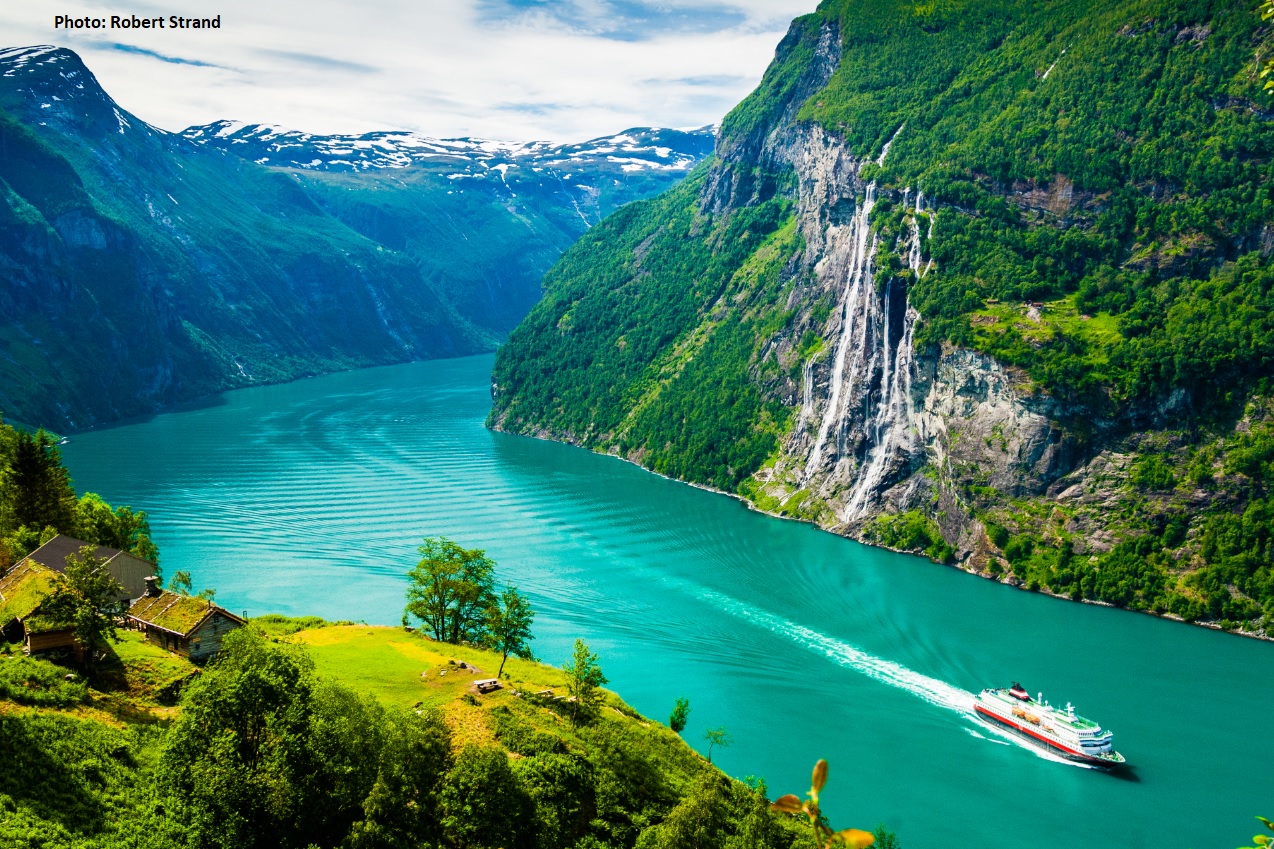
x,y
885,150
890,430
807,393
869,400
862,245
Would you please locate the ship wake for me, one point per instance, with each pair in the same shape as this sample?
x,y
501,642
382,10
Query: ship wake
x,y
931,690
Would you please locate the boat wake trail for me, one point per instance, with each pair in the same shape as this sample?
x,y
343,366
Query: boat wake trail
x,y
932,690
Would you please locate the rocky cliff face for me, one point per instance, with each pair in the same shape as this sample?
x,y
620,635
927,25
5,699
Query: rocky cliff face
x,y
881,428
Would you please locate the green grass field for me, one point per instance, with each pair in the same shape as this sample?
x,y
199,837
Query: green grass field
x,y
409,670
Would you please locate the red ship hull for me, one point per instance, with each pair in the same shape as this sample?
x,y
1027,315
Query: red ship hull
x,y
1042,740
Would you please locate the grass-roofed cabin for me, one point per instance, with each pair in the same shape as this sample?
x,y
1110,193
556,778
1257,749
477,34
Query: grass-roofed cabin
x,y
22,590
128,570
192,627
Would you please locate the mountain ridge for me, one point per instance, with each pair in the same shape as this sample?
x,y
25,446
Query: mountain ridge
x,y
144,268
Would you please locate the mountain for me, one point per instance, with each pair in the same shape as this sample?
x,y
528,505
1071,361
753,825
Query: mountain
x,y
144,268
483,220
988,281
638,150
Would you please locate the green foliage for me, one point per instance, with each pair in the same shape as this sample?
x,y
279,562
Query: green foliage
x,y
36,489
508,626
1151,472
1098,185
709,816
716,737
910,531
86,598
1227,547
562,787
68,782
264,755
181,582
450,590
482,803
1133,171
30,681
584,681
118,527
630,348
277,625
680,714
37,502
274,273
402,805
236,765
884,838
1267,12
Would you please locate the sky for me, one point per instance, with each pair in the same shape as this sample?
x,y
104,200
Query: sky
x,y
516,70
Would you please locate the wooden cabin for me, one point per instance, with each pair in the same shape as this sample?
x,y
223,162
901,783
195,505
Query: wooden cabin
x,y
128,570
187,625
22,590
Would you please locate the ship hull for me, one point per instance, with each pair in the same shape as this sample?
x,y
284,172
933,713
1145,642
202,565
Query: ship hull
x,y
1041,741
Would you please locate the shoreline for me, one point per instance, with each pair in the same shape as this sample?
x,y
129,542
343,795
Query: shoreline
x,y
1211,626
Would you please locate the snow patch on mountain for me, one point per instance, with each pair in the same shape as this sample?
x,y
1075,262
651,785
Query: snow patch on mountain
x,y
633,149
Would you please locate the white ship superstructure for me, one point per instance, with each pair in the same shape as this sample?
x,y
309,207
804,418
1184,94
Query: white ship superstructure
x,y
1059,730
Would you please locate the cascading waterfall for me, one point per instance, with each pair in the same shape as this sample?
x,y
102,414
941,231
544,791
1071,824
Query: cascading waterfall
x,y
890,430
863,250
870,402
807,393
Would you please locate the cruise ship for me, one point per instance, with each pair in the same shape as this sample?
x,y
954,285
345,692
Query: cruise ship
x,y
1054,729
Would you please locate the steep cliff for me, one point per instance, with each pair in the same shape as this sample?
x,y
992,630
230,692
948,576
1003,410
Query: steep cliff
x,y
988,281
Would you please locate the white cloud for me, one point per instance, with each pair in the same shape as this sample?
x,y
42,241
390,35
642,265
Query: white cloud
x,y
511,69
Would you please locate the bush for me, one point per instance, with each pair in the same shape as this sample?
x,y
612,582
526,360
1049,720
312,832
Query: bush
x,y
482,803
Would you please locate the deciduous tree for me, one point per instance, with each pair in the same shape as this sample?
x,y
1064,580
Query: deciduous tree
x,y
86,598
450,590
509,626
716,737
584,680
117,527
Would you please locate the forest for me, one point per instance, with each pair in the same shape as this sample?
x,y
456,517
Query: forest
x,y
38,501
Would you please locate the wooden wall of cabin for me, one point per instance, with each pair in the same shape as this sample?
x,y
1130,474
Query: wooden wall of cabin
x,y
50,641
205,640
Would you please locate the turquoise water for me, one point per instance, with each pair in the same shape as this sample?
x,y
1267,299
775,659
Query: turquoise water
x,y
309,498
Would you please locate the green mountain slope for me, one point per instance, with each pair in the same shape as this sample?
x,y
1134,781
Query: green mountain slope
x,y
142,268
989,281
332,736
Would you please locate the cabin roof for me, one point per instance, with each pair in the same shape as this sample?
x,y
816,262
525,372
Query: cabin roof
x,y
24,589
53,553
180,614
